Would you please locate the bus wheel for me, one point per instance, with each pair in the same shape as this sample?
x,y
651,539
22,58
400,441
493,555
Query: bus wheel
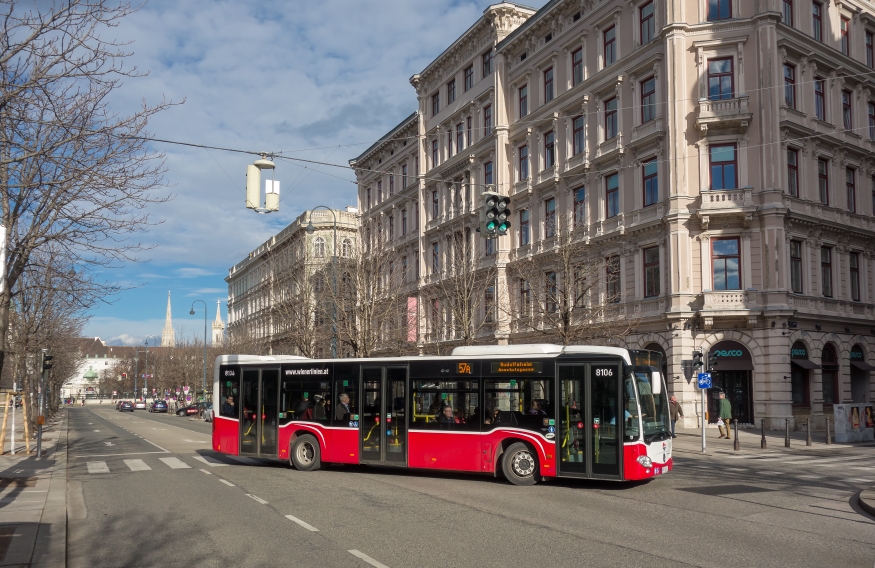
x,y
305,453
520,465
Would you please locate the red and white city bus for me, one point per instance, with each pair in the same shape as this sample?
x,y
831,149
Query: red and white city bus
x,y
526,411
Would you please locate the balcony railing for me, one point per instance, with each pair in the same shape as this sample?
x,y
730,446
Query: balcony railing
x,y
729,300
649,128
716,200
723,114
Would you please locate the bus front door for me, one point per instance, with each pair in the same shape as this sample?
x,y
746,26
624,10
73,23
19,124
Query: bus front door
x,y
260,400
590,434
383,424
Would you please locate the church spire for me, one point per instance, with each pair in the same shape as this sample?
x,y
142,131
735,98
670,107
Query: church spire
x,y
168,336
218,325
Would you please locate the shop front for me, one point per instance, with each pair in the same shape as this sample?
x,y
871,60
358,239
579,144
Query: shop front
x,y
859,375
800,378
732,374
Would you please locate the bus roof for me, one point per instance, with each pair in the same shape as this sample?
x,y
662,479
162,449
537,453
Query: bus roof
x,y
540,349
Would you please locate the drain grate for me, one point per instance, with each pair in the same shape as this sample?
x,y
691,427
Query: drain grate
x,y
717,490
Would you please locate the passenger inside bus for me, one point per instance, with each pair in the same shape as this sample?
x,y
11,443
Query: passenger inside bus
x,y
343,410
319,408
446,419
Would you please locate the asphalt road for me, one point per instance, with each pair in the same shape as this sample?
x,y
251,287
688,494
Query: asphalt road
x,y
174,502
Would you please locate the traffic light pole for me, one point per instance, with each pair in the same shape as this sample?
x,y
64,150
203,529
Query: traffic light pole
x,y
703,419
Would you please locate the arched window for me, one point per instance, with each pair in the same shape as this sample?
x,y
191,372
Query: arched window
x,y
319,247
318,284
830,375
346,248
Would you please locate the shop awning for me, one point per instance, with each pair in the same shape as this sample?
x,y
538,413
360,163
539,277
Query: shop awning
x,y
805,364
862,365
725,364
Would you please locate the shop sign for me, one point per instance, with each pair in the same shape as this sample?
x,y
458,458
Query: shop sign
x,y
857,353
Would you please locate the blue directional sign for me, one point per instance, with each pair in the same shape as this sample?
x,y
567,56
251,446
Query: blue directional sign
x,y
704,381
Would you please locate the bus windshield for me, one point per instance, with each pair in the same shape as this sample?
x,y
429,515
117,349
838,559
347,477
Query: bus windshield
x,y
654,406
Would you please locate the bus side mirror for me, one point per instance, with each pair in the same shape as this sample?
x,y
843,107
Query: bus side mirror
x,y
655,383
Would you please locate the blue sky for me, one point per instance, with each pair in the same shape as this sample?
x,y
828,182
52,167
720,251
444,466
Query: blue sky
x,y
266,75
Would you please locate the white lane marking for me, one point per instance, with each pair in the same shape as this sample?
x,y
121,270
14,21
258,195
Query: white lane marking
x,y
212,462
207,472
109,443
228,483
97,430
244,460
137,465
310,528
197,441
121,454
259,499
97,467
367,559
857,480
810,476
175,463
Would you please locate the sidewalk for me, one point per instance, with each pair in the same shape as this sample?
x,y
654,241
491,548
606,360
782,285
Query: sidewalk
x,y
33,501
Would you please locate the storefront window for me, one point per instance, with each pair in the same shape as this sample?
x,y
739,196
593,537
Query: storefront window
x,y
830,375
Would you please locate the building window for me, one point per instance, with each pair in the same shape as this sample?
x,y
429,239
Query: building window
x,y
612,279
416,216
403,222
487,120
580,207
319,247
648,100
449,144
524,101
391,185
550,299
793,172
817,20
404,274
870,50
720,81
851,187
487,63
435,104
854,259
829,375
651,182
549,150
648,22
726,263
489,248
524,163
577,135
550,218
724,167
488,303
612,195
451,91
548,85
460,137
469,77
871,111
847,118
719,9
819,99
391,228
435,257
787,12
826,271
796,266
790,86
416,165
651,272
380,191
611,118
435,205
470,122
368,193
577,67
844,30
823,180
525,296
610,40
524,227
434,153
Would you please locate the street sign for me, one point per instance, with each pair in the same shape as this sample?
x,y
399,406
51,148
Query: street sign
x,y
704,381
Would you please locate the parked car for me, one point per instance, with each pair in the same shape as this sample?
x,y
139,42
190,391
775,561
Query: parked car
x,y
207,412
140,405
126,406
158,406
190,410
119,404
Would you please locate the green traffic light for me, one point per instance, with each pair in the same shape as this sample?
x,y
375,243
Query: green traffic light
x,y
490,226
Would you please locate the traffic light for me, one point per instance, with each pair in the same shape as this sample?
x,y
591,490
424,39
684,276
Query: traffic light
x,y
47,362
712,360
124,375
494,215
697,361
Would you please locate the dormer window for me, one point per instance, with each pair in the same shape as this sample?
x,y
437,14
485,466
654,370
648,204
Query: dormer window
x,y
548,38
524,55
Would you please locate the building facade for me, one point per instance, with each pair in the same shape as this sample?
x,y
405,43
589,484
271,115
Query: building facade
x,y
274,295
718,153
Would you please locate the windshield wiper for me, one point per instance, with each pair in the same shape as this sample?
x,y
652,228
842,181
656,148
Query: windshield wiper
x,y
653,437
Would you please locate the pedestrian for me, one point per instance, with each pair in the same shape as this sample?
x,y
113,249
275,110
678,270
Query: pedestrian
x,y
675,411
725,415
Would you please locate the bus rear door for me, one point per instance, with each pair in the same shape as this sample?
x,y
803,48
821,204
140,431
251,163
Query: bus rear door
x,y
383,424
260,403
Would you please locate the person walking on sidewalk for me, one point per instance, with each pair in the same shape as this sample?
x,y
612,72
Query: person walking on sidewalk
x,y
675,411
725,415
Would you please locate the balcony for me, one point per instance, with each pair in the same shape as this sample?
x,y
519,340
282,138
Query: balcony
x,y
726,203
642,132
548,175
608,147
830,308
724,116
577,161
792,115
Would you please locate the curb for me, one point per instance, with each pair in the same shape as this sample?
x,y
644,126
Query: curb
x,y
50,549
867,500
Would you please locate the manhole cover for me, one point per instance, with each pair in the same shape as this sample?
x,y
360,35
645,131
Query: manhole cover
x,y
717,490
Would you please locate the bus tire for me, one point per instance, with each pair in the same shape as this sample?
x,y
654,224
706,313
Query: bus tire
x,y
520,464
305,453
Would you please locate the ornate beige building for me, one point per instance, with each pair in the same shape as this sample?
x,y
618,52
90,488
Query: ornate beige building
x,y
719,152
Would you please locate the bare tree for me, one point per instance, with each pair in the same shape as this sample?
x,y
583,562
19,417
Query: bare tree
x,y
74,176
568,292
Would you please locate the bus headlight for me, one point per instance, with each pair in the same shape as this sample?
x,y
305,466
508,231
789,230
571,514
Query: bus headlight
x,y
645,461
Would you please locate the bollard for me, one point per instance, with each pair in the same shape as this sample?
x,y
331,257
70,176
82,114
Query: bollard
x,y
808,435
828,440
736,446
786,432
763,427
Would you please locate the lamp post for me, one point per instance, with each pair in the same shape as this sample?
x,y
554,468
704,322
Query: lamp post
x,y
191,313
310,230
136,369
146,367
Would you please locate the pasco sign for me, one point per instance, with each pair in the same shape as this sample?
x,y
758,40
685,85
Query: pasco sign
x,y
731,356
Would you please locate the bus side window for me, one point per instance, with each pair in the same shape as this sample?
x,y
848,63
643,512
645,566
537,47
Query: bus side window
x,y
347,385
229,381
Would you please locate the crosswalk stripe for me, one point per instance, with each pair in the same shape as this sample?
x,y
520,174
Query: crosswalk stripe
x,y
857,480
137,465
97,467
212,462
244,460
175,463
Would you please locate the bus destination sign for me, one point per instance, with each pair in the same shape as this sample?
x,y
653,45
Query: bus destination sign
x,y
516,366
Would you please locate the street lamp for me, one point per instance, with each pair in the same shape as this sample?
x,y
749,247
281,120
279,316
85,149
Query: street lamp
x,y
191,313
146,366
310,230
